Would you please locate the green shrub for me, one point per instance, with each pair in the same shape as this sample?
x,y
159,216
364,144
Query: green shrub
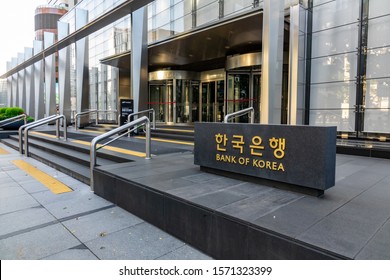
x,y
9,112
13,112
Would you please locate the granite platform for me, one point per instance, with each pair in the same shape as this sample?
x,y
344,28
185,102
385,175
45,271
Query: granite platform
x,y
228,218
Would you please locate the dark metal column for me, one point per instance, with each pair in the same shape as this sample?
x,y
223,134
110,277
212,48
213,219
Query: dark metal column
x,y
361,66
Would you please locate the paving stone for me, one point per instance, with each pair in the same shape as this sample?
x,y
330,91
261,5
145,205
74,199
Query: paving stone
x,y
26,218
73,254
185,252
253,208
139,242
16,203
89,227
378,248
37,244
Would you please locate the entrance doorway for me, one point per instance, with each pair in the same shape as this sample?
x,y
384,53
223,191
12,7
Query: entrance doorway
x,y
213,101
243,92
174,95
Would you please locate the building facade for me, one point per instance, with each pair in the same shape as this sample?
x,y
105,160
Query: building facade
x,y
313,62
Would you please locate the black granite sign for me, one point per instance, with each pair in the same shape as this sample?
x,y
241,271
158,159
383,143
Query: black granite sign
x,y
126,108
298,155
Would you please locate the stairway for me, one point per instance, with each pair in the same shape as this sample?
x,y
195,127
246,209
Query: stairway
x,y
66,156
174,132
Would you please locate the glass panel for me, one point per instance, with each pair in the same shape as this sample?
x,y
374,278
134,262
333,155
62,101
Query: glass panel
x,y
334,68
378,63
202,3
161,5
181,9
378,8
169,103
183,101
220,100
256,96
344,119
232,6
334,14
333,95
335,41
157,101
163,18
208,102
195,102
378,94
207,14
377,120
319,2
376,29
238,94
182,24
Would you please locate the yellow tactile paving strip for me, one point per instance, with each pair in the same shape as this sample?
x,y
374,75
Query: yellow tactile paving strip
x,y
3,152
51,183
43,134
168,141
114,149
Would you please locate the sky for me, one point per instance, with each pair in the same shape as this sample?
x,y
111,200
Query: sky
x,y
16,28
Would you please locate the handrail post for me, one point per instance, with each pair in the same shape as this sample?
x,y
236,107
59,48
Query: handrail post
x,y
147,140
154,119
58,128
27,128
92,160
93,157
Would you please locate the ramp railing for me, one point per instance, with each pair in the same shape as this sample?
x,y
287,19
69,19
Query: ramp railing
x,y
78,115
250,111
27,127
14,119
143,121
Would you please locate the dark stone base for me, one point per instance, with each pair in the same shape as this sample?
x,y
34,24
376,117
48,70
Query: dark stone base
x,y
217,234
266,182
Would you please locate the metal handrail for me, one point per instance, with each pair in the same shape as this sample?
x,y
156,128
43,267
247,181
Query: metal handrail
x,y
76,117
14,119
141,121
21,128
240,113
43,121
144,112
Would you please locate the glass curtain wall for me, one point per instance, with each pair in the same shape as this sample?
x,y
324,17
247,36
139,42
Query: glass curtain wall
x,y
350,77
167,18
110,40
334,63
377,86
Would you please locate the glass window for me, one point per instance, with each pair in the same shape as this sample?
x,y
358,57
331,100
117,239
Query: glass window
x,y
378,8
202,3
182,24
233,6
377,28
334,68
333,95
378,61
182,9
344,119
335,41
334,14
207,14
163,18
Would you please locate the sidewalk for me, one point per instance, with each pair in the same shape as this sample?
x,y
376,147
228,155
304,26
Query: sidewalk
x,y
36,224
